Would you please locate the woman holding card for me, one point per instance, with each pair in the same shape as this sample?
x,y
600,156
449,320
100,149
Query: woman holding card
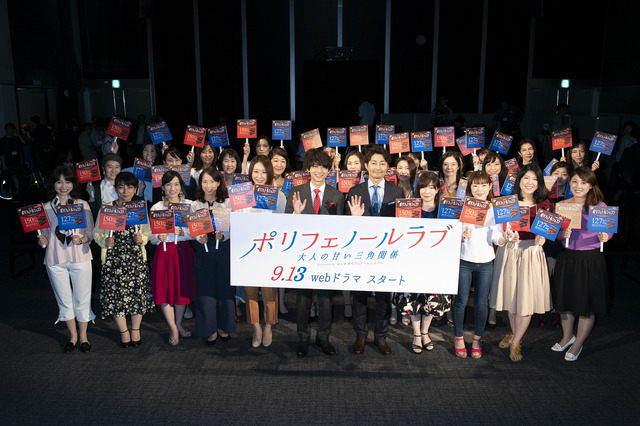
x,y
476,262
451,170
68,259
422,307
172,279
204,158
229,163
105,192
261,173
578,154
263,147
493,164
125,288
280,162
561,171
215,306
354,161
581,283
520,274
149,153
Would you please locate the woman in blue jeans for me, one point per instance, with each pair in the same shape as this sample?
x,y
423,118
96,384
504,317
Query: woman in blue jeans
x,y
476,261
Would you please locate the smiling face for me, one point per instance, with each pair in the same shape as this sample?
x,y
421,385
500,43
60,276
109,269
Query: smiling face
x,y
111,170
209,186
318,175
493,168
279,164
149,153
259,174
125,192
63,188
526,152
263,147
173,161
428,194
377,168
229,164
579,187
480,190
353,163
206,156
562,174
529,183
577,154
450,167
172,190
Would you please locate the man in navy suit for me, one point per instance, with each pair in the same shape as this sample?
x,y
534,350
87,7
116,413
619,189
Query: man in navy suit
x,y
374,197
315,197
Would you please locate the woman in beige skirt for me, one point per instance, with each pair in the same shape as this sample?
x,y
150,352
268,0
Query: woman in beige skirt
x,y
520,282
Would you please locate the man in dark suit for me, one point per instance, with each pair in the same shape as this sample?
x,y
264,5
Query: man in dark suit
x,y
374,197
315,197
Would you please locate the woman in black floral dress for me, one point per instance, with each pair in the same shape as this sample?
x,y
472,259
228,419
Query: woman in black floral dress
x,y
422,307
125,288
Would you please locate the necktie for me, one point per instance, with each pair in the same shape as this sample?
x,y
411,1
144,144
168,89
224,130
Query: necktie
x,y
375,201
316,202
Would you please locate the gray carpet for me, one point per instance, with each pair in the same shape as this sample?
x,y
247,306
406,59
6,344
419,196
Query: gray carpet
x,y
233,383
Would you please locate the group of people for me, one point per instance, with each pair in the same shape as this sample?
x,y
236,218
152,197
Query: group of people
x,y
509,271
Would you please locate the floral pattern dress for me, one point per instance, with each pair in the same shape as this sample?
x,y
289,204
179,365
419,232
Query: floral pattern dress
x,y
125,287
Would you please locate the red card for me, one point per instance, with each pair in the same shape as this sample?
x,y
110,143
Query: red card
x,y
119,128
524,224
88,171
300,177
199,222
195,136
358,135
409,207
113,218
347,179
311,139
33,218
156,175
561,139
462,145
443,136
162,222
475,211
241,196
390,175
399,142
247,129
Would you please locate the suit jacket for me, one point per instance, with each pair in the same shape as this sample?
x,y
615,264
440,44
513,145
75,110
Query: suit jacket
x,y
388,207
332,200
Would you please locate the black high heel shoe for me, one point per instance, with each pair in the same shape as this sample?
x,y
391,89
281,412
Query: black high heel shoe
x,y
85,347
69,347
124,344
136,343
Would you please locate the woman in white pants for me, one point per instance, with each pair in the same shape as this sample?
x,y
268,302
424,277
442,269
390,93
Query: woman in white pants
x,y
68,259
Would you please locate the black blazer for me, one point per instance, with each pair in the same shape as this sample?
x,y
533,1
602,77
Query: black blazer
x,y
388,207
332,200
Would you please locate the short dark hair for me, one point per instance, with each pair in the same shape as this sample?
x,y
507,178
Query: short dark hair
x,y
456,156
479,177
317,157
357,154
172,151
168,177
376,149
230,152
10,126
197,161
126,178
69,174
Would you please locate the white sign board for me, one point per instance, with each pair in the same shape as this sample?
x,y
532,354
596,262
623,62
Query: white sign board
x,y
402,255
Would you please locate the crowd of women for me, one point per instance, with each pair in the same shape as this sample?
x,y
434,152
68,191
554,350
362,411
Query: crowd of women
x,y
519,273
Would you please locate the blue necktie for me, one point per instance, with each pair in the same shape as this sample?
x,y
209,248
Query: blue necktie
x,y
375,201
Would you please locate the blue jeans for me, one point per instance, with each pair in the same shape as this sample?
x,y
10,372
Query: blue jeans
x,y
481,273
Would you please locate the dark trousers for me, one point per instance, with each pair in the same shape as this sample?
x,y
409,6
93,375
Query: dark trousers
x,y
382,311
303,305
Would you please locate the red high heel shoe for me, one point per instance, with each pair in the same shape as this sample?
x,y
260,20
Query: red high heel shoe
x,y
460,352
476,352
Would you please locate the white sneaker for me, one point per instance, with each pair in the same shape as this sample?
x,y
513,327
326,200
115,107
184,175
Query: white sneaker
x,y
187,313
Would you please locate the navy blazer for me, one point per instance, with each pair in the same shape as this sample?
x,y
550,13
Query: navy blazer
x,y
388,207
